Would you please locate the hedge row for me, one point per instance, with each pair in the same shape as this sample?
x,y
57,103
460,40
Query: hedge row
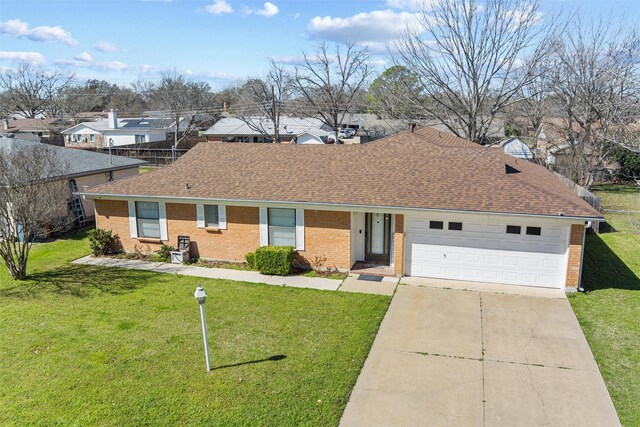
x,y
276,260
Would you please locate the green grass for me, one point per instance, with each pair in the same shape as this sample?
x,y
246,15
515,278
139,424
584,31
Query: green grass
x,y
336,275
85,345
145,169
609,312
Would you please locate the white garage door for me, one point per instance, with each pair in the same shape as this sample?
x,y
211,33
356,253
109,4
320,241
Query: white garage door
x,y
483,251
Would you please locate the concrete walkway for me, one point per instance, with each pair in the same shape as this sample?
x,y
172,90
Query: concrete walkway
x,y
370,284
479,357
215,273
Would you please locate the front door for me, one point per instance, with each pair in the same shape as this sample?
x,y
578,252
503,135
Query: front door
x,y
377,238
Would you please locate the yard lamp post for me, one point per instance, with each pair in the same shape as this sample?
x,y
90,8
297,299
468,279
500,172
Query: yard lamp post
x,y
201,296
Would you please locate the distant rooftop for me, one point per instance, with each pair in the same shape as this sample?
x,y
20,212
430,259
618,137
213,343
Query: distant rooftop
x,y
288,126
126,124
80,162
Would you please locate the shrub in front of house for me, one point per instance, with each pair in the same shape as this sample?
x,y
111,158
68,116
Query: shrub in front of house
x,y
276,260
251,260
101,242
165,252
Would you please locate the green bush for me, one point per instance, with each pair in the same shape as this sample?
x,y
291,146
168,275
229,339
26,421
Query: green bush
x,y
276,260
101,242
165,251
251,260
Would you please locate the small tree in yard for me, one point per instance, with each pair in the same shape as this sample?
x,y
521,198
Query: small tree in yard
x,y
31,201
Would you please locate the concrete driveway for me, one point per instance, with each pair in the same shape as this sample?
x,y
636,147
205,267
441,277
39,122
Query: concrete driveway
x,y
482,358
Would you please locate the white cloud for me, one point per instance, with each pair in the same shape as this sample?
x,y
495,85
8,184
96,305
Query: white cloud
x,y
524,16
411,4
371,29
33,58
288,59
84,57
103,46
93,65
269,9
18,28
219,7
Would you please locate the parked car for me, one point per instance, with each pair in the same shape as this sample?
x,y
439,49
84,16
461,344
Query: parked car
x,y
347,133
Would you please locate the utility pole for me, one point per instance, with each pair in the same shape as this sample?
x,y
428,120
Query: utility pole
x,y
276,119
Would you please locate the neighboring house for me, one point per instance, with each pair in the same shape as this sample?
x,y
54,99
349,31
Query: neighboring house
x,y
422,203
86,169
41,129
371,126
119,132
231,129
517,148
319,136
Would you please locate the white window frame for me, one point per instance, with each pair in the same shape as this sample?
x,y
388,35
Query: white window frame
x,y
299,228
162,219
201,220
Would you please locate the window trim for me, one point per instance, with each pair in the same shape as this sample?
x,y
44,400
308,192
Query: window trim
x,y
532,228
292,227
513,227
454,229
299,228
138,218
201,220
217,212
133,222
436,225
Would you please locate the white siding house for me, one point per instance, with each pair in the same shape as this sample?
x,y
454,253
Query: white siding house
x,y
118,132
516,148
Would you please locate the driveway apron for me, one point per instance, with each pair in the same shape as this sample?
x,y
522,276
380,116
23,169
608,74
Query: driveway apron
x,y
445,357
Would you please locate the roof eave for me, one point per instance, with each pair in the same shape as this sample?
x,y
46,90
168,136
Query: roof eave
x,y
317,205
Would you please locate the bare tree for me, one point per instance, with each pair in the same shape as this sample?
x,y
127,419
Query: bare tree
x,y
31,91
34,196
330,82
596,81
467,63
183,100
533,98
262,101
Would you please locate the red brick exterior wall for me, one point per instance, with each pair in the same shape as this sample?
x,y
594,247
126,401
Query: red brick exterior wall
x,y
241,236
575,256
399,246
327,233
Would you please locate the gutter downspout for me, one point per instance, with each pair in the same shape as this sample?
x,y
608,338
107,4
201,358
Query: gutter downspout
x,y
584,238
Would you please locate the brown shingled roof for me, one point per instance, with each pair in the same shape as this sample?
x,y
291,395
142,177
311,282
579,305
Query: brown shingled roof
x,y
427,169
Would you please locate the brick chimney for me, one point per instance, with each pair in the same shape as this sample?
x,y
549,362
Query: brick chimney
x,y
112,117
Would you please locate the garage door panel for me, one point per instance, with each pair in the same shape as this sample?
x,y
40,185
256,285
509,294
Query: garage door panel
x,y
483,252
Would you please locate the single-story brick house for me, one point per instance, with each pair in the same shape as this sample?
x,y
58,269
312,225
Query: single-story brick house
x,y
424,203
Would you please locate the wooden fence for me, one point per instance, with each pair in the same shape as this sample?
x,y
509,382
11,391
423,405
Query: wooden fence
x,y
154,156
585,194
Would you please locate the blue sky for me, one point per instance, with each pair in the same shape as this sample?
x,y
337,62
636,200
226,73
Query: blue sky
x,y
220,41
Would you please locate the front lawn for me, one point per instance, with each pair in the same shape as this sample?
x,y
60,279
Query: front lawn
x,y
82,345
609,312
